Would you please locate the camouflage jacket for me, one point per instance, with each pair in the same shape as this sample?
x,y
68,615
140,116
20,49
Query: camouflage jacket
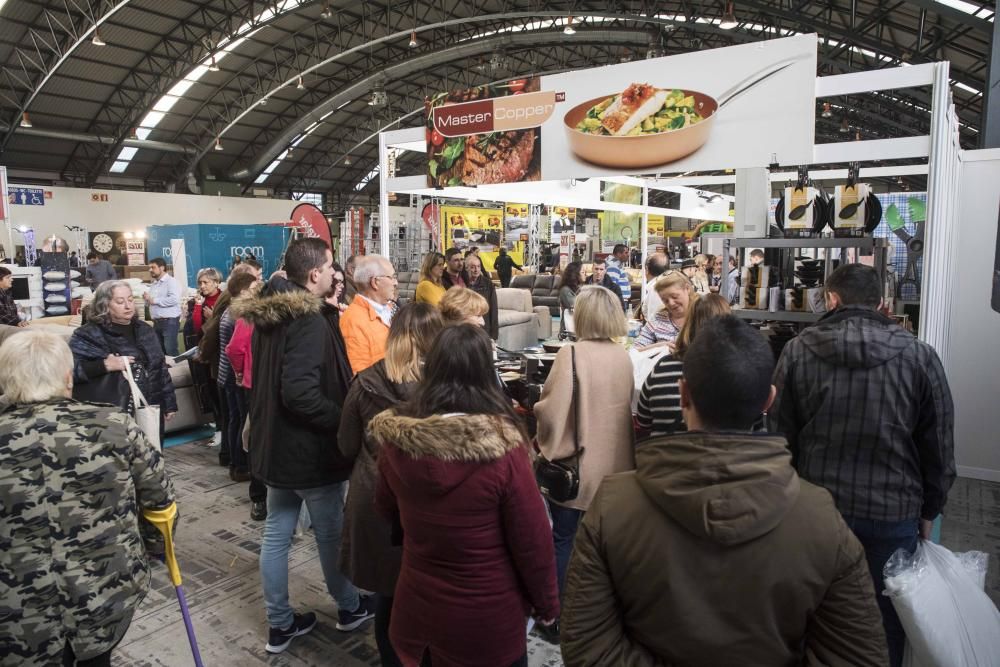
x,y
73,568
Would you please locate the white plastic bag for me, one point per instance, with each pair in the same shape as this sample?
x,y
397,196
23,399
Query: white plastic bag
x,y
948,619
642,365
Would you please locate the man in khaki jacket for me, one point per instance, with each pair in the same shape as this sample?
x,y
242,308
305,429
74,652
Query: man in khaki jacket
x,y
713,551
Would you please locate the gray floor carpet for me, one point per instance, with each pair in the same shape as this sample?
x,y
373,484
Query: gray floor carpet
x,y
218,545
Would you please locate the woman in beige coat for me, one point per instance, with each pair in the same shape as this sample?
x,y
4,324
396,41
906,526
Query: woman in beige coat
x,y
602,417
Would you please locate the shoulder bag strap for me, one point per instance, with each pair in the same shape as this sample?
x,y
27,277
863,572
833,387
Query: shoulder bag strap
x,y
576,418
138,400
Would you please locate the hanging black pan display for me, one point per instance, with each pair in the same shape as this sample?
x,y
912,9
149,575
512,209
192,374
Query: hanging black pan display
x,y
822,212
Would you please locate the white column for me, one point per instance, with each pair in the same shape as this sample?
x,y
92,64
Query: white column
x,y
383,195
941,261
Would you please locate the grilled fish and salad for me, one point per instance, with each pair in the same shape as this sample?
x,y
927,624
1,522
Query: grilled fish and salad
x,y
641,109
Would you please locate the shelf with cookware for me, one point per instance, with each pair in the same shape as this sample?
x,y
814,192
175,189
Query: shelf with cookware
x,y
809,234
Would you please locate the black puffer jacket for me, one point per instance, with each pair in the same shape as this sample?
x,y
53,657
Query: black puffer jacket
x,y
298,390
93,342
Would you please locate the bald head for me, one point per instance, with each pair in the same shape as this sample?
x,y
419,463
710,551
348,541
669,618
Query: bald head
x,y
656,265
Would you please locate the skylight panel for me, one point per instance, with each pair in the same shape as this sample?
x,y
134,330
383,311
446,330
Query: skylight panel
x,y
165,103
181,87
119,167
366,180
152,119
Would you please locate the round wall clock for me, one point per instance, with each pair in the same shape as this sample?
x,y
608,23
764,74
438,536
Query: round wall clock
x,y
103,243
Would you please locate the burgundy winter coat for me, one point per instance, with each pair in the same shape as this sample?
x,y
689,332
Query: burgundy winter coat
x,y
477,547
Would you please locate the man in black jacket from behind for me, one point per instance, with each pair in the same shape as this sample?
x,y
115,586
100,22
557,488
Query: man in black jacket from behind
x,y
868,415
299,388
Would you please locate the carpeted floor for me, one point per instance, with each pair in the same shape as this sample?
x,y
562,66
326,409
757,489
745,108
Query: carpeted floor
x,y
218,545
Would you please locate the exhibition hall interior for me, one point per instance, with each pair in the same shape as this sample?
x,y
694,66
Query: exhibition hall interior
x,y
489,334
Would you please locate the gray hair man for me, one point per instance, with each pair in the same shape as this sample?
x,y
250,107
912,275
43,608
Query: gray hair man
x,y
365,323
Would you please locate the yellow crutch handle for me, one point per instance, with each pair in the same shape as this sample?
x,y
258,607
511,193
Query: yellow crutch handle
x,y
164,522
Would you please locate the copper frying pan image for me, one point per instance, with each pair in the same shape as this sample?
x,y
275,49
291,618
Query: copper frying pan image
x,y
653,150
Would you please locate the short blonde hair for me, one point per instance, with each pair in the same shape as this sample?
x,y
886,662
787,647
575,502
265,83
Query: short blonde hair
x,y
210,273
34,366
674,279
460,304
598,314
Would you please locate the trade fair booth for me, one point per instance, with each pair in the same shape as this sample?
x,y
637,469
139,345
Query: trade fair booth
x,y
756,126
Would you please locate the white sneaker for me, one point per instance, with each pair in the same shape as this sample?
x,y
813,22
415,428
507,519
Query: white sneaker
x,y
216,439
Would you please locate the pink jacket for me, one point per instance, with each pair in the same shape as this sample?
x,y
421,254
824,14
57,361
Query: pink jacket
x,y
239,353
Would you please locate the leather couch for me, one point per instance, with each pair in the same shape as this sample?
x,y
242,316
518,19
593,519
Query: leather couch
x,y
544,289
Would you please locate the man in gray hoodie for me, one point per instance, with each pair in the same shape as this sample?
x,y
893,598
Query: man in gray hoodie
x,y
868,415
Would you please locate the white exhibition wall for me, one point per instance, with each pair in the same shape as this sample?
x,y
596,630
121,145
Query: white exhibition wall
x,y
973,365
120,211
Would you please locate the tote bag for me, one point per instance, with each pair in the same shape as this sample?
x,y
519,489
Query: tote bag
x,y
146,415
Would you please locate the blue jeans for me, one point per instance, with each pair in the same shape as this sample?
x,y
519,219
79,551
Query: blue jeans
x,y
565,521
166,329
881,539
326,509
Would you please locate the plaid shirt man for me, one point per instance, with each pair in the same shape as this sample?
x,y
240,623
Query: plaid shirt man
x,y
868,415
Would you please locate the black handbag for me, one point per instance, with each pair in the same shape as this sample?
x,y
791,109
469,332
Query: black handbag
x,y
559,479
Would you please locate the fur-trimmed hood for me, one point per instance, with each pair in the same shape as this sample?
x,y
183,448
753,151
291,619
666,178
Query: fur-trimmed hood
x,y
436,453
277,308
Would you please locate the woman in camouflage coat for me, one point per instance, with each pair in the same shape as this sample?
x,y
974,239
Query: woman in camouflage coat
x,y
73,480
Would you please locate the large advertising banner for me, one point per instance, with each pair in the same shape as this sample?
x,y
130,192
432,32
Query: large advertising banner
x,y
486,134
748,105
465,228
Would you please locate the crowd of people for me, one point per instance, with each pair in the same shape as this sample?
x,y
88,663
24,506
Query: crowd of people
x,y
743,514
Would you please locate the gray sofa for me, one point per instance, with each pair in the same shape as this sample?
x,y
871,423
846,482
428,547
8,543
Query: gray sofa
x,y
544,289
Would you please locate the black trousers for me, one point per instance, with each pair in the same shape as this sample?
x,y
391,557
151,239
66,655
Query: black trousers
x,y
258,490
383,614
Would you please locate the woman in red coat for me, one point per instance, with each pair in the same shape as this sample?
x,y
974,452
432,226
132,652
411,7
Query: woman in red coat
x,y
455,476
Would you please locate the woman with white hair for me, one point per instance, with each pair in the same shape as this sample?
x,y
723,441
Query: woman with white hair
x,y
73,480
114,332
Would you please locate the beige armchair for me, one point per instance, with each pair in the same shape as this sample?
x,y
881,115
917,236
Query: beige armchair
x,y
521,324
